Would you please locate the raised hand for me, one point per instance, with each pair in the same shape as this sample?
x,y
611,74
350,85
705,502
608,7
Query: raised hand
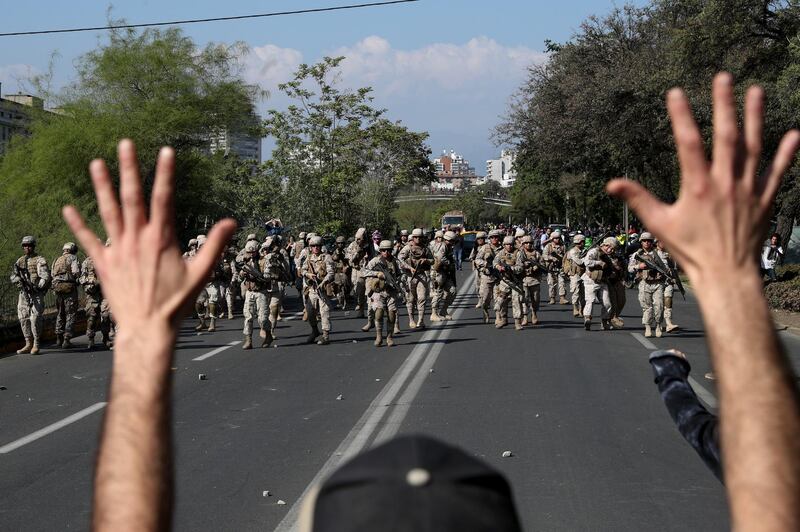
x,y
724,203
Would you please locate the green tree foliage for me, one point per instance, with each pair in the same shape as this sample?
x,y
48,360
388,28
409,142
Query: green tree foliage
x,y
595,110
156,87
341,162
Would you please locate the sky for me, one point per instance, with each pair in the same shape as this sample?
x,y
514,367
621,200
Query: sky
x,y
447,67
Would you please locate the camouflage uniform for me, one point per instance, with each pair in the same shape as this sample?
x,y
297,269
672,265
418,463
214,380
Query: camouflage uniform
x,y
553,257
318,271
573,267
257,295
416,259
31,270
382,279
341,281
651,287
529,267
504,260
669,286
358,255
65,272
595,286
443,279
483,262
98,313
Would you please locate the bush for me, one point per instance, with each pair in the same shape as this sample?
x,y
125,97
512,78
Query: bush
x,y
785,295
788,272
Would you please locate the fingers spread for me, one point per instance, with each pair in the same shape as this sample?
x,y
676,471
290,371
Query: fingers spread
x,y
86,237
688,141
726,131
106,198
162,203
130,186
782,161
647,207
209,254
753,131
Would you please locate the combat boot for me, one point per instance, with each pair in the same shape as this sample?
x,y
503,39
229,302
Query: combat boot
x,y
390,330
35,347
90,345
576,311
411,323
534,318
248,342
396,328
59,340
435,316
305,315
201,325
369,325
267,337
107,342
658,331
606,325
500,323
485,316
525,320
378,327
518,324
587,324
66,344
26,348
212,317
563,301
671,326
617,323
552,301
325,340
648,332
312,337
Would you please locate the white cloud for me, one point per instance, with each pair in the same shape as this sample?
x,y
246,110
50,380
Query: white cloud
x,y
270,65
13,76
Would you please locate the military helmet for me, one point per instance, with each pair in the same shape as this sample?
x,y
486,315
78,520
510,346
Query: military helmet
x,y
508,240
201,240
646,236
527,239
555,234
264,246
577,239
268,242
480,235
340,240
385,245
361,232
251,246
404,232
450,235
417,232
192,242
495,233
252,236
28,241
302,235
610,241
70,246
520,232
439,234
315,241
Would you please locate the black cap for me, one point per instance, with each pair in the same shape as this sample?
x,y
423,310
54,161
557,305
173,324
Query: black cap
x,y
415,483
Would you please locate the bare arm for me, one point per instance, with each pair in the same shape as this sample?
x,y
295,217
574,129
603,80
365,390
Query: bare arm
x,y
148,286
759,406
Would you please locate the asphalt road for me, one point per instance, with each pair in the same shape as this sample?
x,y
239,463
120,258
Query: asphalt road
x,y
593,447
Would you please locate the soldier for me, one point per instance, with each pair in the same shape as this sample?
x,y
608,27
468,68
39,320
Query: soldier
x,y
595,286
651,285
616,285
228,281
483,264
529,267
97,311
416,259
257,287
401,242
318,271
341,281
480,240
65,272
436,247
274,265
358,255
443,279
505,262
382,275
32,277
206,303
436,242
553,257
669,287
573,266
192,249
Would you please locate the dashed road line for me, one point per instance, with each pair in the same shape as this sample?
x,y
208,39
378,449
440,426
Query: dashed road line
x,y
77,416
217,351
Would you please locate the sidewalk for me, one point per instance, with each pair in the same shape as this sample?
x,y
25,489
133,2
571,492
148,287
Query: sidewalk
x,y
786,320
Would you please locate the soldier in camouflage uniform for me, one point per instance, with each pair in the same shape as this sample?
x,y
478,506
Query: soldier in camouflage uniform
x,y
480,240
257,288
65,272
483,262
400,243
651,285
358,255
382,275
32,276
505,262
553,257
529,267
275,267
341,281
573,267
443,278
318,271
98,314
669,286
616,285
416,259
595,283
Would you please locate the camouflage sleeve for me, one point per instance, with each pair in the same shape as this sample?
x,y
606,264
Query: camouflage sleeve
x,y
633,264
14,276
43,271
369,270
330,270
592,259
74,267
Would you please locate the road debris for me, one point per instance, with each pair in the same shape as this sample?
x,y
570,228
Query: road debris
x,y
266,493
339,397
507,454
281,502
202,377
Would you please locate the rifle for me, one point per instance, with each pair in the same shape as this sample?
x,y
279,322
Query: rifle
x,y
595,243
25,282
256,275
314,282
508,277
388,278
659,266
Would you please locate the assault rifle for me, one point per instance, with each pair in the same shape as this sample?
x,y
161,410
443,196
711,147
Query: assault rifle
x,y
596,243
508,277
388,277
256,275
659,266
25,282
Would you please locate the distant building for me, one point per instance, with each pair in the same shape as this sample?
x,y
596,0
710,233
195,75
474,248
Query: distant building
x,y
246,146
453,172
502,169
15,116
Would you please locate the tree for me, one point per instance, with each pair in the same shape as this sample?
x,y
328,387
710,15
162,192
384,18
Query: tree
x,y
156,87
340,160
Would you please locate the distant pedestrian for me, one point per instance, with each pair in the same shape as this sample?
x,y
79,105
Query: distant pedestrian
x,y
771,256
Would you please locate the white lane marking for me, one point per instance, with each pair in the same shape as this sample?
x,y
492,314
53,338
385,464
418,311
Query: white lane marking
x,y
293,316
217,351
51,428
369,422
706,396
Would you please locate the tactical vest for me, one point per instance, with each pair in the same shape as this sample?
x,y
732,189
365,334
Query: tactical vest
x,y
316,265
416,254
649,275
30,264
89,275
570,267
63,279
531,269
508,259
